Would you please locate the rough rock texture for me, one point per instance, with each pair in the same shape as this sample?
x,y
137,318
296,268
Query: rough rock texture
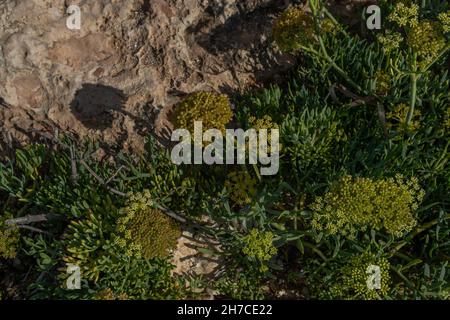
x,y
189,261
129,60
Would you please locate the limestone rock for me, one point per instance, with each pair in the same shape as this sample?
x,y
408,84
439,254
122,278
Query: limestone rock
x,y
129,60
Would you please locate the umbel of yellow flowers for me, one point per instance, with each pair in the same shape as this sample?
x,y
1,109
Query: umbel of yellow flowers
x,y
295,29
358,204
351,279
213,110
144,230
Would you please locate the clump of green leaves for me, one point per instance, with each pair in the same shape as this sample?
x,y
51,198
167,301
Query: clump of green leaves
x,y
360,204
88,243
238,283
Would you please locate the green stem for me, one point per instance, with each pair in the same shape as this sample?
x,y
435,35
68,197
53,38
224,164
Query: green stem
x,y
413,93
315,249
335,22
255,167
407,281
314,7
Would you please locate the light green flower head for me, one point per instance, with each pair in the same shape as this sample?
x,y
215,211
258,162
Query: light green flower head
x,y
259,245
390,40
354,282
295,29
398,115
444,18
145,231
9,242
241,186
357,204
427,40
214,110
405,15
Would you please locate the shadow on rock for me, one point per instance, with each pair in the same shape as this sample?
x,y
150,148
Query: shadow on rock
x,y
241,31
94,105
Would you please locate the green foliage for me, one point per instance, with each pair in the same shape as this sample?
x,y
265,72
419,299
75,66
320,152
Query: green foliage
x,y
241,284
356,116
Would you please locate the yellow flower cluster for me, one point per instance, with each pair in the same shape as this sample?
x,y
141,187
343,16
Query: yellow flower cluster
x,y
242,187
294,29
328,26
405,15
9,241
447,118
399,115
390,40
267,123
262,123
352,279
212,109
427,40
358,204
383,82
444,18
259,245
108,294
145,231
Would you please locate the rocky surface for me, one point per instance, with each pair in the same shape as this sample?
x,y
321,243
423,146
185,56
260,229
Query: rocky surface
x,y
129,60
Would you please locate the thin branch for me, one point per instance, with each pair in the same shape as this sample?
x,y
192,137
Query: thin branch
x,y
30,219
115,174
31,228
172,214
382,117
358,100
73,165
413,91
99,179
